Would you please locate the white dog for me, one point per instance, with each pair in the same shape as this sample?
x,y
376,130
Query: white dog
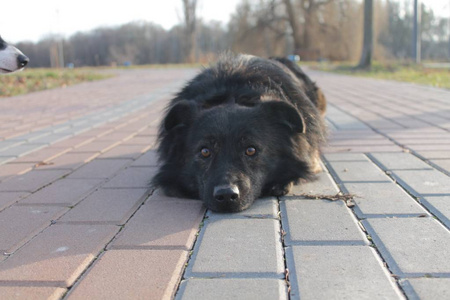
x,y
11,58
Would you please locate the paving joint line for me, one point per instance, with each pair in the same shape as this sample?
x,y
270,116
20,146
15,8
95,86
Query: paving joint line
x,y
191,252
399,111
78,125
94,156
81,199
369,238
400,274
52,222
432,164
236,275
418,198
105,249
409,150
283,248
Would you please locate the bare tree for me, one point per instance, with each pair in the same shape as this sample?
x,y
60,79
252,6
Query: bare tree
x,y
189,8
308,11
293,23
366,55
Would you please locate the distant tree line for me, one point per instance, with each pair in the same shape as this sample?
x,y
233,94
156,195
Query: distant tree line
x,y
313,29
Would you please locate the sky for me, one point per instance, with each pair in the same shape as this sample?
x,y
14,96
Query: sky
x,y
34,19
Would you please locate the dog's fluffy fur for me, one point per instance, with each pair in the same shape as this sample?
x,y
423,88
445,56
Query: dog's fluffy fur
x,y
11,58
244,128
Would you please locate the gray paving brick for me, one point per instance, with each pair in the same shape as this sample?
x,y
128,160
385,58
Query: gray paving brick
x,y
320,222
8,144
362,148
440,207
362,135
60,127
385,198
411,246
31,136
264,208
443,164
324,185
420,182
229,288
427,288
344,121
434,154
51,138
424,147
358,142
399,161
260,252
345,157
357,171
22,149
338,272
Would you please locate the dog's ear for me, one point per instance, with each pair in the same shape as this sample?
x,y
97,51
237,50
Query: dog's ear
x,y
181,114
285,114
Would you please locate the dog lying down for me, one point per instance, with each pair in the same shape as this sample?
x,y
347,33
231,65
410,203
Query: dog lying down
x,y
11,58
244,128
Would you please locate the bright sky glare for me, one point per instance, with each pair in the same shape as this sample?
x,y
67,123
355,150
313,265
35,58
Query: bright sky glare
x,y
33,19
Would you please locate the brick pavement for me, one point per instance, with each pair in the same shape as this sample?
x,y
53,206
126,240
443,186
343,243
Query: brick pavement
x,y
77,220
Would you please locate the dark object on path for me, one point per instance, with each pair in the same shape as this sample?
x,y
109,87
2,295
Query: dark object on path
x,y
244,128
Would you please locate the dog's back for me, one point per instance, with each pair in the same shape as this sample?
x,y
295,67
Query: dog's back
x,y
311,89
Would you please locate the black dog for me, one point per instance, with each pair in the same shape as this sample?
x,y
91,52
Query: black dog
x,y
244,128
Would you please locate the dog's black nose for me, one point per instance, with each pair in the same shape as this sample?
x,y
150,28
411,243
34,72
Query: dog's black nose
x,y
22,60
226,193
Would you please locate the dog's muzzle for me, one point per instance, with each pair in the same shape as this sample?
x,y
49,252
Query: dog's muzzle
x,y
22,61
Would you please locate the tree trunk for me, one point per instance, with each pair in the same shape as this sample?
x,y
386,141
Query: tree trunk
x,y
366,56
189,7
292,19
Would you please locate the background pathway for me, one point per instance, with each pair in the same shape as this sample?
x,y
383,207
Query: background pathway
x,y
77,220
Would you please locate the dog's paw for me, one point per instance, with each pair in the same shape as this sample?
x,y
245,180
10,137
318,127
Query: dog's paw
x,y
281,189
316,166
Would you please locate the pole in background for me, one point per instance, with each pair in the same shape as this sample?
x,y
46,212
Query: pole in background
x,y
416,38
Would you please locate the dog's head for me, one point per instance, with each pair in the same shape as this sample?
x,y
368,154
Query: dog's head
x,y
11,58
233,152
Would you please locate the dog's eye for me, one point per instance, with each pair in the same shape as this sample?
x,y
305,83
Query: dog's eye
x,y
205,152
250,151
